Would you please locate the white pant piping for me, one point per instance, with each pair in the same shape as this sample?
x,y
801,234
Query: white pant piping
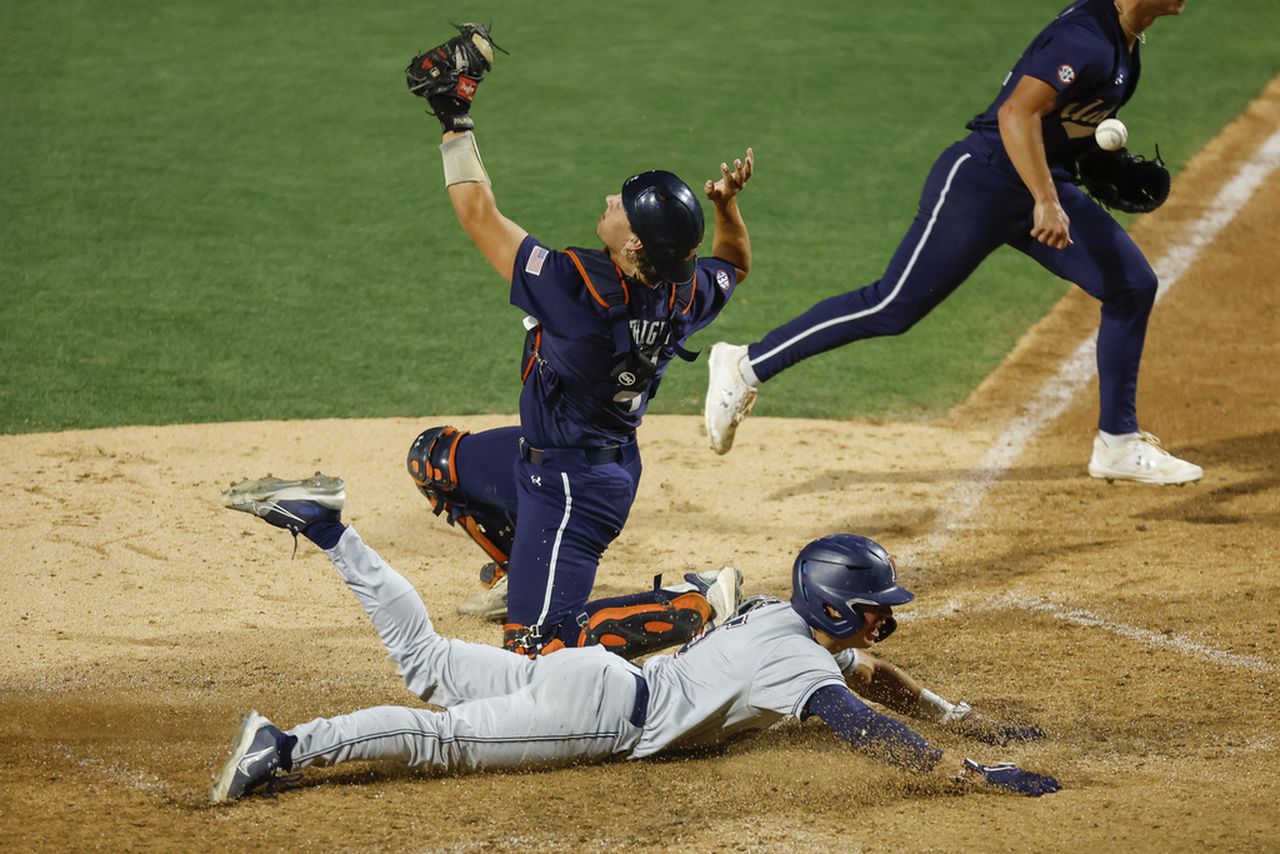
x,y
555,549
942,198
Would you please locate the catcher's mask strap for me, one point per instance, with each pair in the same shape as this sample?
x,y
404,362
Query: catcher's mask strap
x,y
462,163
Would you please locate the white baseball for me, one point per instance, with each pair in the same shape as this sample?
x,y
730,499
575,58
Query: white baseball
x,y
1111,135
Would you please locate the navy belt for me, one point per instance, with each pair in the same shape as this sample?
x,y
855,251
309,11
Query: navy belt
x,y
640,713
569,456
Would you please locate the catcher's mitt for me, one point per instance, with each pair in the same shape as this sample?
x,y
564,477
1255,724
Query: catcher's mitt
x,y
1124,181
449,74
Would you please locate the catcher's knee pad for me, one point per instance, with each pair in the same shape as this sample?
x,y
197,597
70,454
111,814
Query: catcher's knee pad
x,y
432,465
635,630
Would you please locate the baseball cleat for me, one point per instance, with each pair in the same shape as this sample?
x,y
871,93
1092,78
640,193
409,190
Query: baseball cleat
x,y
256,754
1141,459
723,591
729,397
490,604
290,504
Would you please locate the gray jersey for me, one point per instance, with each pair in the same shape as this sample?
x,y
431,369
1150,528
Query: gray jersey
x,y
741,677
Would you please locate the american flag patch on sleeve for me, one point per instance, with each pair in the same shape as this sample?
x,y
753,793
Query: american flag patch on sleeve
x,y
537,258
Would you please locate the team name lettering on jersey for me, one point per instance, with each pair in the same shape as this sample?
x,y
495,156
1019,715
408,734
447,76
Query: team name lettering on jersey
x,y
646,333
1079,120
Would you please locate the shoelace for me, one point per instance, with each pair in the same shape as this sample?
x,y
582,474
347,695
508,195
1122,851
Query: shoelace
x,y
1157,450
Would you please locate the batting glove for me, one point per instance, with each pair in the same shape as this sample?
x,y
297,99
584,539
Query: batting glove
x,y
1011,777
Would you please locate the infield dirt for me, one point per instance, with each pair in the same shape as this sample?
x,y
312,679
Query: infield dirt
x,y
1138,625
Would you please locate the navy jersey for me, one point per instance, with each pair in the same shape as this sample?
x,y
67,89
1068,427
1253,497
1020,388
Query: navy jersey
x,y
557,405
1084,56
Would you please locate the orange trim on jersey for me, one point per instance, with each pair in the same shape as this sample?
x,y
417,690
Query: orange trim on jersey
x,y
585,278
622,280
693,293
533,357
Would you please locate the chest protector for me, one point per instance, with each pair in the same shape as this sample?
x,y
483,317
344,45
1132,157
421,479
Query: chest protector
x,y
634,367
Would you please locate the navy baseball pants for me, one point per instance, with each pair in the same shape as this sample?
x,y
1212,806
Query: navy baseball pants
x,y
567,512
972,204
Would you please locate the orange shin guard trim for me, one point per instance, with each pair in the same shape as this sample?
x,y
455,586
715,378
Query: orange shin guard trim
x,y
694,602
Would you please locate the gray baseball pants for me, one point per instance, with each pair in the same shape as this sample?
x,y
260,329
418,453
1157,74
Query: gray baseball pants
x,y
502,710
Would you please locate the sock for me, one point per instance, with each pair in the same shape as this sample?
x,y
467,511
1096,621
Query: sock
x,y
284,747
324,534
1115,440
748,372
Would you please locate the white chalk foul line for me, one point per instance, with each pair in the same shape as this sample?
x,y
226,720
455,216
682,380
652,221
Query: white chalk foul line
x,y
1056,395
1081,617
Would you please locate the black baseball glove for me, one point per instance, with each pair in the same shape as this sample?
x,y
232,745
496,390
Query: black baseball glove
x,y
449,74
1124,181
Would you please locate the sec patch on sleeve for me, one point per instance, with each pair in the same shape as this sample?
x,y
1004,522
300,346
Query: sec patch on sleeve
x,y
1066,73
722,280
537,258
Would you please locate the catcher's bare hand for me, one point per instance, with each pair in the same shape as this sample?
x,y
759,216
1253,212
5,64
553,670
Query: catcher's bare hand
x,y
731,180
1052,226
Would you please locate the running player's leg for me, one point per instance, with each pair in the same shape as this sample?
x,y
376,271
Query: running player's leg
x,y
1105,262
438,669
958,224
579,705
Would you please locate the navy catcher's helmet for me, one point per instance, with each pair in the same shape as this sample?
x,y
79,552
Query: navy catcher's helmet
x,y
666,216
834,574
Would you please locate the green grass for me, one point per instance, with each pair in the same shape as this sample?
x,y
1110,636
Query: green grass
x,y
232,210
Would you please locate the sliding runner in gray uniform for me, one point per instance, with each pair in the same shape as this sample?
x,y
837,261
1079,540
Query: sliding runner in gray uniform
x,y
504,710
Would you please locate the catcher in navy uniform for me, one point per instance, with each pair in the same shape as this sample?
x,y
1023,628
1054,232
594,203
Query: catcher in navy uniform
x,y
545,499
507,711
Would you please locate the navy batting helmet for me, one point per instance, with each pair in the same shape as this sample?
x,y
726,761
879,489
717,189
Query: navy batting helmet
x,y
666,216
836,573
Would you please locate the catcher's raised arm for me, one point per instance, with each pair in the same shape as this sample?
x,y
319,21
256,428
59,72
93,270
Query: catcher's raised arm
x,y
448,76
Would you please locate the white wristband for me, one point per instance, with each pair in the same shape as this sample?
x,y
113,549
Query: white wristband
x,y
462,162
938,710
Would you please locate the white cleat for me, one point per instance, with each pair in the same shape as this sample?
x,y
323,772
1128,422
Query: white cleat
x,y
1141,459
729,397
723,591
490,604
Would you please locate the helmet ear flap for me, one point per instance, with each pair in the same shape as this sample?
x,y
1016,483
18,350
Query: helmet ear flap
x,y
886,628
851,618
